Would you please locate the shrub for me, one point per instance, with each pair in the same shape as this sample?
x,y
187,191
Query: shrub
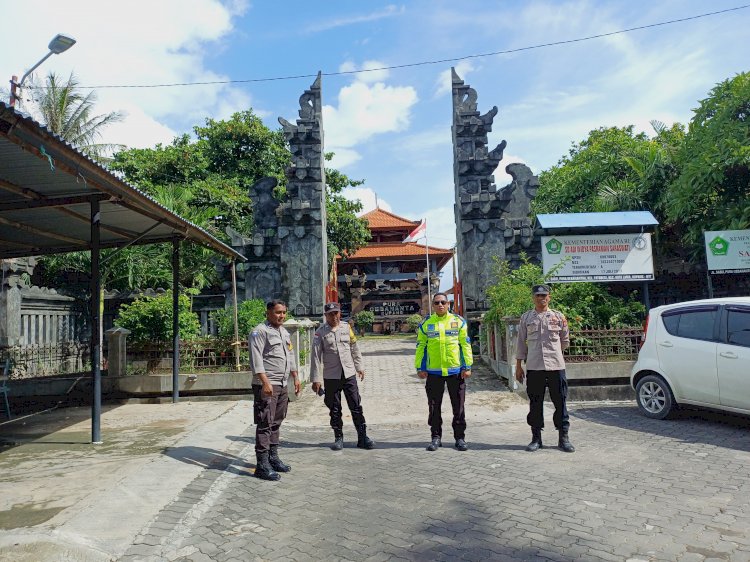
x,y
250,313
414,322
149,319
583,304
363,320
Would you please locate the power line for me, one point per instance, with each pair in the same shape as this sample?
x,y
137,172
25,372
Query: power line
x,y
425,63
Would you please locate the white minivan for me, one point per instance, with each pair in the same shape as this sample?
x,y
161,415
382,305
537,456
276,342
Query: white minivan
x,y
696,353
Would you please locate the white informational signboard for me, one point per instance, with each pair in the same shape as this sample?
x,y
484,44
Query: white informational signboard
x,y
728,251
598,257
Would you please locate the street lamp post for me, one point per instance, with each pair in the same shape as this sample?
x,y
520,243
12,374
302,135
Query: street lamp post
x,y
59,44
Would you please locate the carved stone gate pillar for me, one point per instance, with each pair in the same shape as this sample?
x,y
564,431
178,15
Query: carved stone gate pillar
x,y
490,223
302,218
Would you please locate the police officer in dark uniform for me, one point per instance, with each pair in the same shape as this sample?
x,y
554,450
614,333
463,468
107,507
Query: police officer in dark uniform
x,y
336,361
543,334
273,361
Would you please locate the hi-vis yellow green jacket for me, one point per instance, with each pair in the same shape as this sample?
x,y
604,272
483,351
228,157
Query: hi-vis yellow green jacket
x,y
443,346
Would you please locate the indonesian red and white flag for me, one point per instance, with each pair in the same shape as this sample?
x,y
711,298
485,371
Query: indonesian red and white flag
x,y
417,233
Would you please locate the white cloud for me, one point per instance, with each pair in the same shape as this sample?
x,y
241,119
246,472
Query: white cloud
x,y
146,42
138,130
503,178
368,198
342,157
375,71
363,111
444,83
390,11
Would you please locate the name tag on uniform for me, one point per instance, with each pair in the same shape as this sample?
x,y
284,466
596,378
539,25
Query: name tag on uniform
x,y
451,332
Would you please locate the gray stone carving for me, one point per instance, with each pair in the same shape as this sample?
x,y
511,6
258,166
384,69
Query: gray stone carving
x,y
260,276
489,222
302,218
287,251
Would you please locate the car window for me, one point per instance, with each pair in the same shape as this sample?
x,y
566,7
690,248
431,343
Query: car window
x,y
671,322
738,327
693,324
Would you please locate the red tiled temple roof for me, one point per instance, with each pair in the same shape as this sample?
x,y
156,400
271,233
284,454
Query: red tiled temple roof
x,y
378,219
400,250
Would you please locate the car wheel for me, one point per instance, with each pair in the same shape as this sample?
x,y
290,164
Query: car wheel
x,y
654,397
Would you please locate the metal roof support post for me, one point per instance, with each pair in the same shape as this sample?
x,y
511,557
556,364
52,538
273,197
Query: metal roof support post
x,y
175,320
96,321
236,343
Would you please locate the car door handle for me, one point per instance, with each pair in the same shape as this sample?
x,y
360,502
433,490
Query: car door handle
x,y
728,354
666,344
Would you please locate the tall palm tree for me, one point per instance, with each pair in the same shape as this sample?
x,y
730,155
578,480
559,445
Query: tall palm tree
x,y
66,111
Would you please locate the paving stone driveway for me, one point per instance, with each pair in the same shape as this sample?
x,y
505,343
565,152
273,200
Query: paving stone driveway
x,y
636,489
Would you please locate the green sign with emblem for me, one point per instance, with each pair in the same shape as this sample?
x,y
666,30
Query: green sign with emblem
x,y
727,251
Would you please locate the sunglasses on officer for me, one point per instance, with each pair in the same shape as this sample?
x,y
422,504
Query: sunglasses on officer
x,y
439,303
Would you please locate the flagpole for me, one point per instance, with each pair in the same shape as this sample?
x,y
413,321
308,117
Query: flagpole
x,y
427,257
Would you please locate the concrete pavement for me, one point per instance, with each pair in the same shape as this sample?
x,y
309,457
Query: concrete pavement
x,y
173,482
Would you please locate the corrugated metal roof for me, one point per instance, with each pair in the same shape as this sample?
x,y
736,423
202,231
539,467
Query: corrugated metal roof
x,y
46,189
592,220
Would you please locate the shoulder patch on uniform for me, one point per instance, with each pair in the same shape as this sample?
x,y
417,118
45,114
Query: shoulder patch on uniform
x,y
254,333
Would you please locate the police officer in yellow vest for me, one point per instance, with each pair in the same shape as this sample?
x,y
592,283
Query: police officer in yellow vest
x,y
543,335
444,358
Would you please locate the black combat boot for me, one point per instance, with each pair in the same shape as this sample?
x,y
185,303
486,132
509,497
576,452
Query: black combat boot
x,y
461,445
564,443
338,442
263,468
435,443
364,442
536,440
276,463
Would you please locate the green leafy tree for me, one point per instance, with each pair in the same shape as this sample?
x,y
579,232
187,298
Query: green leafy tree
x,y
613,169
584,304
250,313
346,232
149,319
218,167
713,189
206,180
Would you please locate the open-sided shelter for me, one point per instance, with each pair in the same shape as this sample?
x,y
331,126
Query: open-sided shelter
x,y
54,199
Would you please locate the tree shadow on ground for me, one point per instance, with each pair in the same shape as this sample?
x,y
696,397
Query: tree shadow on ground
x,y
689,425
211,459
465,531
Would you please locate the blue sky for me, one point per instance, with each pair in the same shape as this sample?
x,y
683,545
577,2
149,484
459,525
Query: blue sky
x,y
391,128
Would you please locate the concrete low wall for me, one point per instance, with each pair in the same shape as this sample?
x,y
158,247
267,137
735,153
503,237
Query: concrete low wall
x,y
599,370
596,380
135,385
139,385
586,381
